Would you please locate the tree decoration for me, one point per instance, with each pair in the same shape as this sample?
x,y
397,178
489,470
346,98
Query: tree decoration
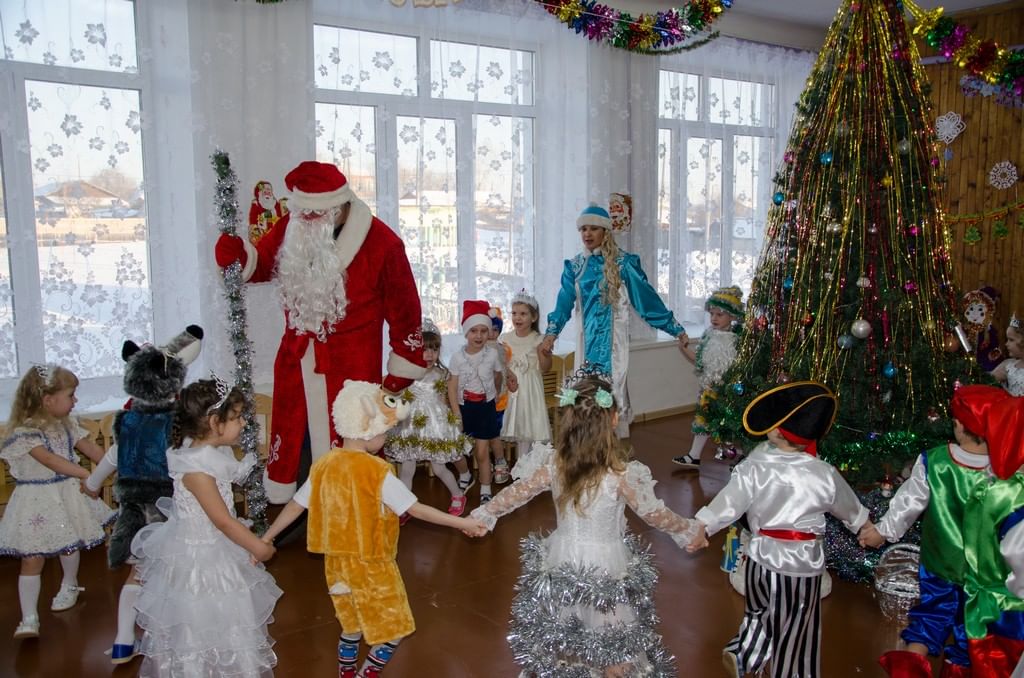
x,y
674,30
226,203
985,59
879,289
1003,175
973,86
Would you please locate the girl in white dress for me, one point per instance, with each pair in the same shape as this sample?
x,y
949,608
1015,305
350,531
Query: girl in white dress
x,y
204,604
584,605
48,514
431,433
1010,372
526,417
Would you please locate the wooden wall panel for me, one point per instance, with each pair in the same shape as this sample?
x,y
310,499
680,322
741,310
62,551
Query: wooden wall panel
x,y
994,133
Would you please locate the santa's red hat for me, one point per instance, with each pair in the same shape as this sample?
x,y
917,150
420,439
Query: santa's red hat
x,y
474,312
996,416
317,186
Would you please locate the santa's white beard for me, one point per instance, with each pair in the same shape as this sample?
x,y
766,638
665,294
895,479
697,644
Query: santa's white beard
x,y
312,279
267,202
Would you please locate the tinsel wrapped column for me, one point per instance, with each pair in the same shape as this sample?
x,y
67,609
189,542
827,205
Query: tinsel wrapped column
x,y
227,220
853,286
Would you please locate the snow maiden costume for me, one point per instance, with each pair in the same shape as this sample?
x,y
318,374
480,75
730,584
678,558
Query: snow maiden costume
x,y
603,340
972,545
204,606
785,495
590,559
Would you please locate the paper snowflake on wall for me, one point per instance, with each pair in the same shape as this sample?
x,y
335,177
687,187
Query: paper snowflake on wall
x,y
1003,175
948,127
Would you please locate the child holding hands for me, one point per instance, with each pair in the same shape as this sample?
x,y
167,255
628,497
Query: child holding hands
x,y
49,512
205,602
569,576
714,354
785,492
971,497
1010,372
354,502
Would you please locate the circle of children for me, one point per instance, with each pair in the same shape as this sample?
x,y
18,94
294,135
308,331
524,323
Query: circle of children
x,y
199,591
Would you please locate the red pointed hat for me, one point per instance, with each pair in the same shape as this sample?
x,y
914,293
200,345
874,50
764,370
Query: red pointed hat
x,y
317,186
996,416
474,312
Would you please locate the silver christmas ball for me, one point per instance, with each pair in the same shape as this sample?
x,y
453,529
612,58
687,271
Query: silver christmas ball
x,y
860,328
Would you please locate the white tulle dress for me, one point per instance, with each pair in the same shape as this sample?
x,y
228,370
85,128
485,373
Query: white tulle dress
x,y
204,606
526,417
584,600
430,432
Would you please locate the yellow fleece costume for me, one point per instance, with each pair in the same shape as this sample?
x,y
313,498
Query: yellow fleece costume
x,y
350,525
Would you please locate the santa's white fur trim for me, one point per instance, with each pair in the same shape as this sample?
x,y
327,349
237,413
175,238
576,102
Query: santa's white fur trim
x,y
277,493
474,320
251,257
406,369
353,233
320,201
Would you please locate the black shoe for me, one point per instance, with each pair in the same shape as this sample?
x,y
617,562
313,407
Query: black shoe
x,y
687,462
465,484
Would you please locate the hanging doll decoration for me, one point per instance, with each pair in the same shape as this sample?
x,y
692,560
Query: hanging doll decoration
x,y
979,311
264,211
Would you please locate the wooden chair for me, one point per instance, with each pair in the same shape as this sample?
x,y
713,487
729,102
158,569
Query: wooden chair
x,y
553,378
100,432
262,412
6,487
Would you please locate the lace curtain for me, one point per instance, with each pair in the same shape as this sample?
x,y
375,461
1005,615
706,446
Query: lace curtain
x,y
477,131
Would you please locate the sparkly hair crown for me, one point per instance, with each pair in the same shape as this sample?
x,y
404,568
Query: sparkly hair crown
x,y
45,372
428,326
524,297
223,389
1015,322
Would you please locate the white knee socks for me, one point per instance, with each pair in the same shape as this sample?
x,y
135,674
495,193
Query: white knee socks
x,y
126,614
698,444
69,564
28,595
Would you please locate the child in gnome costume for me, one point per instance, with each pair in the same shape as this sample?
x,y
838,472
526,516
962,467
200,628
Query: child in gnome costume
x,y
153,377
346,493
972,547
785,491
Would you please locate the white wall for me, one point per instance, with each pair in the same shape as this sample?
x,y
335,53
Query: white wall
x,y
660,378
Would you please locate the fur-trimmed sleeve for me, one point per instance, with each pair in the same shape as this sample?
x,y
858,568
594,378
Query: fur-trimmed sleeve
x,y
402,312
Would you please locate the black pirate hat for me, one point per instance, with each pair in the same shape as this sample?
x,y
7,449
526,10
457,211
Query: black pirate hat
x,y
803,409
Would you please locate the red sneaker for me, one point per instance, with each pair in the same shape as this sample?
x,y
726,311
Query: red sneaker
x,y
458,505
347,672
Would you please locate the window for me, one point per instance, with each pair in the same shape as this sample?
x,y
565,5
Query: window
x,y
458,121
75,257
715,159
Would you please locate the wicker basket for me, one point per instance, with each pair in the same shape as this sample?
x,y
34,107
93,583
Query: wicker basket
x,y
896,582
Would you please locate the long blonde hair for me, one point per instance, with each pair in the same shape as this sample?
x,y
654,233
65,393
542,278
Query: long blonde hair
x,y
38,382
587,445
612,276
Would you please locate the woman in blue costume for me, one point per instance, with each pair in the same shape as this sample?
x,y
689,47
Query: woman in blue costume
x,y
601,282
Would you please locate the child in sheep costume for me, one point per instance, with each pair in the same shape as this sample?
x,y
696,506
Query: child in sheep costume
x,y
354,502
153,377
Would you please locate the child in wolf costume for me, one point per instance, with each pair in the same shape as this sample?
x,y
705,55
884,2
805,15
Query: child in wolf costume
x,y
153,377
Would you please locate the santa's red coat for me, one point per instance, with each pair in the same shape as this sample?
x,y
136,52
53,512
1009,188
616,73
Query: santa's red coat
x,y
379,287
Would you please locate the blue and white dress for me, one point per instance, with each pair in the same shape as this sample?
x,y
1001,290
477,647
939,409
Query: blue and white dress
x,y
47,514
603,341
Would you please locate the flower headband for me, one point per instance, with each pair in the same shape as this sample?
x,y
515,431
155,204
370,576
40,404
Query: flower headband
x,y
567,395
223,389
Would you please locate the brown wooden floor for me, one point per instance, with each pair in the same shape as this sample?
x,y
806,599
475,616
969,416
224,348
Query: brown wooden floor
x,y
460,591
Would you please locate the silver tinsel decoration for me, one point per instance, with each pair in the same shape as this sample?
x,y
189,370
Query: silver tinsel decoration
x,y
896,581
226,202
548,638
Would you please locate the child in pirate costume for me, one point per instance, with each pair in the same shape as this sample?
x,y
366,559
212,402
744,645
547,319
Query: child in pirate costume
x,y
971,497
785,492
354,502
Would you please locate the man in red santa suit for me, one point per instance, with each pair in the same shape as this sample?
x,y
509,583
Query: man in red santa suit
x,y
342,273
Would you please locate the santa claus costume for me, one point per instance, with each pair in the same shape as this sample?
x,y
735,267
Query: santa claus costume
x,y
342,273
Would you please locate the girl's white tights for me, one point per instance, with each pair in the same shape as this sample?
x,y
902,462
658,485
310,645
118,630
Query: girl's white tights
x,y
69,564
699,439
28,595
408,470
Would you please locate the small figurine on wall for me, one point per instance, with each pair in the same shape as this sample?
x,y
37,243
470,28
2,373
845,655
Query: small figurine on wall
x,y
264,211
620,209
979,312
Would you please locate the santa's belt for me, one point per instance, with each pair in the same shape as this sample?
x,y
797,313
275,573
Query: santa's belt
x,y
788,535
470,397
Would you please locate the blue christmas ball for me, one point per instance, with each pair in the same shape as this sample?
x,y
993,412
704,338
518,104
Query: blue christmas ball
x,y
825,158
948,154
846,341
737,388
889,370
778,197
787,284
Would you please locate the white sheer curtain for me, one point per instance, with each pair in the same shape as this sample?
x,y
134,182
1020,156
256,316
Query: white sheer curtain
x,y
476,131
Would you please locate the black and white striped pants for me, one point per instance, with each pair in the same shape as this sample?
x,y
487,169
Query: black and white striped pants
x,y
781,625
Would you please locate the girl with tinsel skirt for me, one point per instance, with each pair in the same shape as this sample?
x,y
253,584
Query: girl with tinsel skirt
x,y
584,603
431,433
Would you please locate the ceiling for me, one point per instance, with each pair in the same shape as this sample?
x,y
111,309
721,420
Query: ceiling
x,y
795,23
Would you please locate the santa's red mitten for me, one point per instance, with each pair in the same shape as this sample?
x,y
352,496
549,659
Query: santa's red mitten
x,y
229,249
396,385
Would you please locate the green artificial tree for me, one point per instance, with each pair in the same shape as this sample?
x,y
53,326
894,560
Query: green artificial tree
x,y
853,286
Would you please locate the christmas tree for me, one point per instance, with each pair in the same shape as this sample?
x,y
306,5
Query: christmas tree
x,y
853,287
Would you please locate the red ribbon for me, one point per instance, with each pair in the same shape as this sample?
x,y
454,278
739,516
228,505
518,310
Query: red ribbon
x,y
470,397
810,445
788,535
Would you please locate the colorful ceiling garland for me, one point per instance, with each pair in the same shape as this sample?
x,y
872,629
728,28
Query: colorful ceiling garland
x,y
998,66
660,33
